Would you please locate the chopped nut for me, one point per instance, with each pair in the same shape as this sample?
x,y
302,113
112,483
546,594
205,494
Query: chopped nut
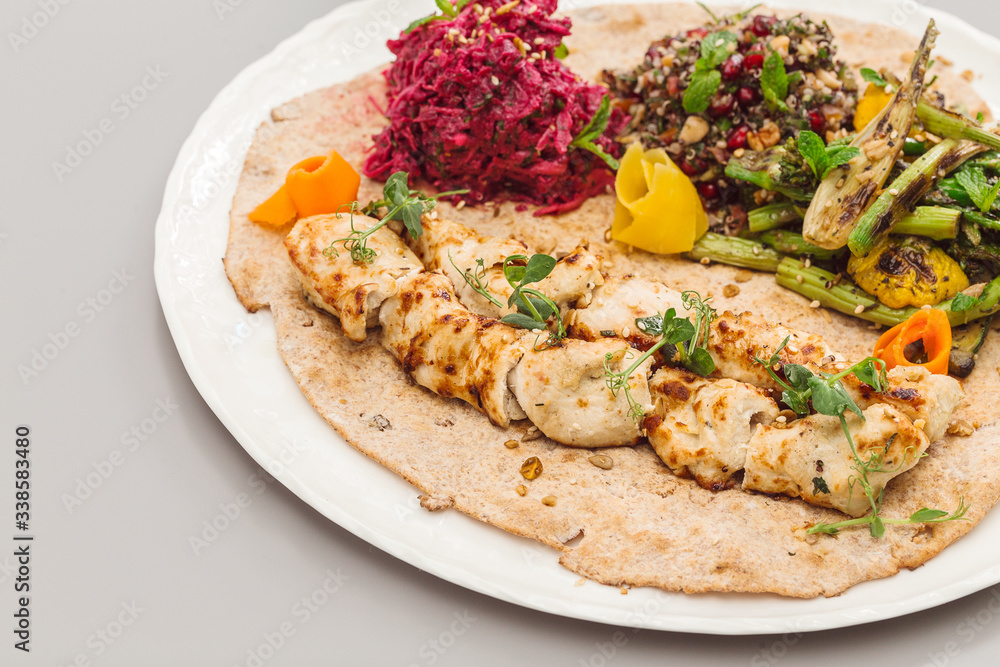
x,y
968,75
960,427
920,423
503,9
729,291
829,79
511,444
769,134
602,461
550,501
521,489
531,468
876,149
743,276
754,141
694,130
780,44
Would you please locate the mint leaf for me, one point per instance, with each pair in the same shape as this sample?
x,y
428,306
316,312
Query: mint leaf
x,y
715,48
871,76
703,85
813,151
560,51
962,302
593,131
839,156
819,486
446,7
774,82
423,21
974,182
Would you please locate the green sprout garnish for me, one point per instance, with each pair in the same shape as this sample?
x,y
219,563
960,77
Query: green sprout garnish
x,y
804,391
401,203
688,338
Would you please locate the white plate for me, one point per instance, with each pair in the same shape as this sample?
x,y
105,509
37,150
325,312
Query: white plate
x,y
232,359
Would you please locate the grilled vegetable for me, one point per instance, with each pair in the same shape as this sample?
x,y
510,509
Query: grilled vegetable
x,y
773,216
929,329
792,243
965,343
735,251
846,192
934,222
834,291
950,124
900,197
908,271
777,169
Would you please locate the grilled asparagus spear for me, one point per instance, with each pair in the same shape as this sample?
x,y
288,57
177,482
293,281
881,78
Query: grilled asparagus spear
x,y
834,210
900,197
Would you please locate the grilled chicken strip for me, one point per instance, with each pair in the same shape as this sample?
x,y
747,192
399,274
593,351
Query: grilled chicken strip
x,y
451,350
735,340
615,307
564,392
350,292
445,245
700,427
812,459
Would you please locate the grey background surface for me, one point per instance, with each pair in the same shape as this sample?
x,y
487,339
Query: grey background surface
x,y
117,425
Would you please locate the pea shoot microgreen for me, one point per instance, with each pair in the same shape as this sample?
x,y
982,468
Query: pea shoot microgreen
x,y
401,203
688,339
534,309
802,388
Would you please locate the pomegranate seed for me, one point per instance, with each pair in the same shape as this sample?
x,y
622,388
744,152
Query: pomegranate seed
x,y
754,60
732,67
746,96
816,121
673,85
722,105
737,137
761,25
697,33
688,168
708,190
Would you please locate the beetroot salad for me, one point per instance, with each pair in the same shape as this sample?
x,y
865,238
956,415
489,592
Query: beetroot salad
x,y
479,99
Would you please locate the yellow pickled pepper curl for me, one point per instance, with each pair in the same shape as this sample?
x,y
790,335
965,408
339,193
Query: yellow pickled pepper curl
x,y
658,208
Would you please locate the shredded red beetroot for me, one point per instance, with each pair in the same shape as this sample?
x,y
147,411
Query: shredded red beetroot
x,y
471,107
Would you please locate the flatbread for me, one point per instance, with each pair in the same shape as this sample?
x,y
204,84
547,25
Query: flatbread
x,y
636,524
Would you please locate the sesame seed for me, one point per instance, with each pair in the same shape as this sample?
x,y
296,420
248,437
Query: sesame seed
x,y
893,191
460,205
495,80
625,332
860,309
756,250
781,419
808,262
799,279
577,427
705,261
814,303
539,40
